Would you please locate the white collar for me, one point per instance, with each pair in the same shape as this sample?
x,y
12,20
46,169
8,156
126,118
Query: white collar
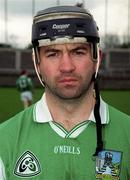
x,y
42,114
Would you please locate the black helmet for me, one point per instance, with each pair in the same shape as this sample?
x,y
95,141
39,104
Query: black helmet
x,y
70,22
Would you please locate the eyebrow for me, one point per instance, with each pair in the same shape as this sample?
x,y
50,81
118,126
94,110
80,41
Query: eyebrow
x,y
56,49
80,47
51,50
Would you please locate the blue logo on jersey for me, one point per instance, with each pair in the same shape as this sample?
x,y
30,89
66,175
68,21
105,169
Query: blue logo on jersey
x,y
108,164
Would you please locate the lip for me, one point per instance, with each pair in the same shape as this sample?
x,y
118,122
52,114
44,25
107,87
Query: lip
x,y
68,81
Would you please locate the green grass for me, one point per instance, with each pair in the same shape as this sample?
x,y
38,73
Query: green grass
x,y
10,103
118,99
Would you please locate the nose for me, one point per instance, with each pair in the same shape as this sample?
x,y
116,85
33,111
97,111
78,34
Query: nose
x,y
66,63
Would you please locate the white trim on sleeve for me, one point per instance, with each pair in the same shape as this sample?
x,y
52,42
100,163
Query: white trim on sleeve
x,y
2,170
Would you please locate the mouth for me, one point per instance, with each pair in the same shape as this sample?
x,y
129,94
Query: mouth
x,y
68,81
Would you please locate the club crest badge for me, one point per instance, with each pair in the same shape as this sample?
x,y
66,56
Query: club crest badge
x,y
27,165
108,164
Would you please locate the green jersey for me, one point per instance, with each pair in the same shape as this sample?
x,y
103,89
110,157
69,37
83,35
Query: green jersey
x,y
33,146
24,83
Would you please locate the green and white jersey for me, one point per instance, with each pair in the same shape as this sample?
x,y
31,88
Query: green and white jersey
x,y
24,83
33,146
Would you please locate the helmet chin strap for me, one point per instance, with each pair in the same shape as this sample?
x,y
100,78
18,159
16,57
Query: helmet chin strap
x,y
97,60
97,110
98,119
36,61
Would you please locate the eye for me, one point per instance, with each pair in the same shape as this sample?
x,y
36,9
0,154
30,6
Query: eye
x,y
51,54
79,52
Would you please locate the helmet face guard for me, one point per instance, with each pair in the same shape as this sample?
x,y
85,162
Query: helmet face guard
x,y
61,22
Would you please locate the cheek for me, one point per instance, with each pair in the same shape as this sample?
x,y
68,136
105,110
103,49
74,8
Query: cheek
x,y
87,71
86,67
46,70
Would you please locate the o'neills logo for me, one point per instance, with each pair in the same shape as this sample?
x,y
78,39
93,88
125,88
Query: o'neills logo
x,y
64,149
60,26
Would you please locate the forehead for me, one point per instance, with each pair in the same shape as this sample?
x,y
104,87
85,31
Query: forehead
x,y
68,46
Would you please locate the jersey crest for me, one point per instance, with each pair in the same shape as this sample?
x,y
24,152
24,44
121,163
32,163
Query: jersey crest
x,y
27,165
108,164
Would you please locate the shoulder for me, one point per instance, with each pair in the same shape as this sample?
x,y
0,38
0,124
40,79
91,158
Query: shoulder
x,y
15,131
12,125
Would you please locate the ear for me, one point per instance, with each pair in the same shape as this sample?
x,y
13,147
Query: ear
x,y
98,61
33,55
38,68
100,56
35,60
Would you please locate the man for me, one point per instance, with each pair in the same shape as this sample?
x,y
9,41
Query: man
x,y
71,133
25,86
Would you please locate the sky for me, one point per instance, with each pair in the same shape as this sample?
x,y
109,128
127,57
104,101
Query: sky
x,y
16,24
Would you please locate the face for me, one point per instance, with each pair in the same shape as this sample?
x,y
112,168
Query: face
x,y
67,69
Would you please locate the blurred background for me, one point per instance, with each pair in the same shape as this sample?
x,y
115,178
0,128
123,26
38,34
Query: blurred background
x,y
113,19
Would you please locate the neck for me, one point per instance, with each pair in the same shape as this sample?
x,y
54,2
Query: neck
x,y
69,113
